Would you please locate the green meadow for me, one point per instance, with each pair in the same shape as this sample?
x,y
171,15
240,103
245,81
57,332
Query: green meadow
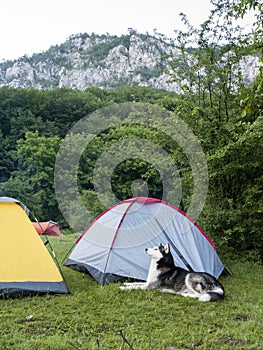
x,y
104,318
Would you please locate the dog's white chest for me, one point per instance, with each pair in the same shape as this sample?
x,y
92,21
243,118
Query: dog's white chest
x,y
152,273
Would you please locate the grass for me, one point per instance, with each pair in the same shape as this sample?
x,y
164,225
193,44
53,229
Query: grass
x,y
104,318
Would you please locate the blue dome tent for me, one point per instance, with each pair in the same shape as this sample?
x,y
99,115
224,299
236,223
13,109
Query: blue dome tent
x,y
112,247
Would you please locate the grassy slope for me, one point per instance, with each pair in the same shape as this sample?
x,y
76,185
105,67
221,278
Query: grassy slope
x,y
95,317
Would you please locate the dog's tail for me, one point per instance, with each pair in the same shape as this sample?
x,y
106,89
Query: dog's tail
x,y
212,296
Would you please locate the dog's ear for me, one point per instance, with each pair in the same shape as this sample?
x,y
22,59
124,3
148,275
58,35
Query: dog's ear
x,y
167,248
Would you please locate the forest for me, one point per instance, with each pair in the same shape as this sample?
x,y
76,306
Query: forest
x,y
217,104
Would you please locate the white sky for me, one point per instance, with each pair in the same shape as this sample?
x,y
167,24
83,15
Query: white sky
x,y
31,26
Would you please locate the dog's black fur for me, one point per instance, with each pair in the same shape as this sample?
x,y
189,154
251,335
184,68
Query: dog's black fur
x,y
185,282
164,276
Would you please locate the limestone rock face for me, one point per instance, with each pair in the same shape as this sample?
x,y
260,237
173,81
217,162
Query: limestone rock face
x,y
100,60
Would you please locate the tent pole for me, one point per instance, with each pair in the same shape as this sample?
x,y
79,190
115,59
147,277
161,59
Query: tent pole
x,y
175,248
104,280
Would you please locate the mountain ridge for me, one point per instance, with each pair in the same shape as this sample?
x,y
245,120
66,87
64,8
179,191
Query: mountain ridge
x,y
105,61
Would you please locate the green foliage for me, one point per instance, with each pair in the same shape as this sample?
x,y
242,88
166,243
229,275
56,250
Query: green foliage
x,y
226,122
239,9
128,138
227,116
32,182
211,75
139,94
239,187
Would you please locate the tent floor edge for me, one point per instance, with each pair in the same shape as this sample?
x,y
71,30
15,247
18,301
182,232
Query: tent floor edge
x,y
19,289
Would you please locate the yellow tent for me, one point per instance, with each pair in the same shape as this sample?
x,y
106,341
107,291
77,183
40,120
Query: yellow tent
x,y
26,267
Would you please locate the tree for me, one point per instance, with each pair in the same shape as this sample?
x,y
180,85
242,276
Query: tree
x,y
33,181
132,165
252,101
208,67
234,205
226,113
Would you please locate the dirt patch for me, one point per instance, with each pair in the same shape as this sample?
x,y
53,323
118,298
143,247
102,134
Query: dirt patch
x,y
234,342
242,318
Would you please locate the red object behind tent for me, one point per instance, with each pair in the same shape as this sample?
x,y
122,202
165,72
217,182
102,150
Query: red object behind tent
x,y
48,228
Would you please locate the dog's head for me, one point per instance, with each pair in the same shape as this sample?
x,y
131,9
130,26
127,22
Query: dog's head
x,y
158,252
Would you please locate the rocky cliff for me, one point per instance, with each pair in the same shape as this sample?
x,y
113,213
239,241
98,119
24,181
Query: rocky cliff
x,y
97,60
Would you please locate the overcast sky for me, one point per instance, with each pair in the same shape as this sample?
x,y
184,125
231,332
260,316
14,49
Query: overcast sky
x,y
31,26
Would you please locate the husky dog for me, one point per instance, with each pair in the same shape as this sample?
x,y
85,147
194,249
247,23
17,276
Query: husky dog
x,y
164,276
